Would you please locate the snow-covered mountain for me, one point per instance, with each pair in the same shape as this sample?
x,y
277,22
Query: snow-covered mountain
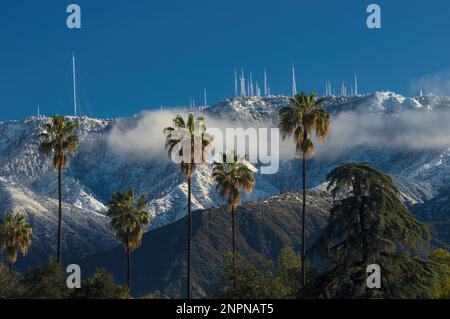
x,y
28,181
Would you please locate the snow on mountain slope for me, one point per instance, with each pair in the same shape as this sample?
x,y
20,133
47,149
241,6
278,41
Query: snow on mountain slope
x,y
84,232
385,102
249,109
28,181
173,206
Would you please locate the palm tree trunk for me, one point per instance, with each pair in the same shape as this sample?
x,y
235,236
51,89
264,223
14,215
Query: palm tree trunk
x,y
189,241
58,244
304,221
129,269
233,227
233,257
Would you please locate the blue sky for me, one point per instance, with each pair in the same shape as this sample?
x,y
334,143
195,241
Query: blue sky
x,y
135,55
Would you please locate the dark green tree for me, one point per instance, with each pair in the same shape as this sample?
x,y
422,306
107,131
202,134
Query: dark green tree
x,y
300,119
10,287
244,280
289,271
101,286
47,282
369,224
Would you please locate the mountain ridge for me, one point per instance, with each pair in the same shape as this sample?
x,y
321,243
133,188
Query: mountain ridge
x,y
28,181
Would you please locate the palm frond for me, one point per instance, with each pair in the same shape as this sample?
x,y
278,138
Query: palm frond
x,y
303,115
128,218
58,137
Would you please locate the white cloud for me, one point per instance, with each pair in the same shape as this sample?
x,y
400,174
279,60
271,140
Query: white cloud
x,y
408,130
143,139
435,83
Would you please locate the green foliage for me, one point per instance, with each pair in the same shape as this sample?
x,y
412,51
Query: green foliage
x,y
261,279
441,288
369,224
101,286
10,287
47,282
244,280
59,139
289,271
368,212
402,277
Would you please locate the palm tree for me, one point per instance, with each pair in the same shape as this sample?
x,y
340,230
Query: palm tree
x,y
299,119
188,141
15,236
232,176
59,139
128,220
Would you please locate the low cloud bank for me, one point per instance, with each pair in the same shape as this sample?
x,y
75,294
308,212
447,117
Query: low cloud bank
x,y
408,130
142,138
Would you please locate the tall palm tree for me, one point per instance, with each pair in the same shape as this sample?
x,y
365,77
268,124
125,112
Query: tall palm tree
x,y
188,141
129,218
299,119
15,236
232,176
59,139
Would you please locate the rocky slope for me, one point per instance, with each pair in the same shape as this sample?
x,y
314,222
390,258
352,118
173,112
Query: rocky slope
x,y
28,181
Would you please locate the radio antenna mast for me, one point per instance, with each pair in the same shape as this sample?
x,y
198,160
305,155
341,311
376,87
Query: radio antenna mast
x,y
74,84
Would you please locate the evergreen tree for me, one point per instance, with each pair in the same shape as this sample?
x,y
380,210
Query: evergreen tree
x,y
369,224
10,287
289,271
101,286
47,282
244,280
